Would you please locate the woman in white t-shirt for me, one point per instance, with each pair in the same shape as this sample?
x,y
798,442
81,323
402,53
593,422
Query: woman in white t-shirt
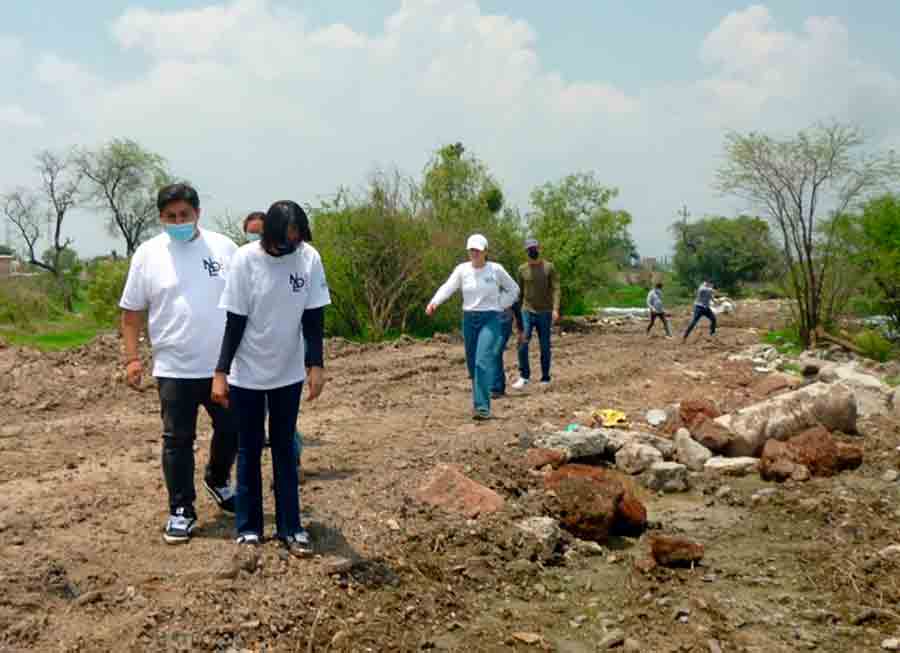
x,y
274,298
487,291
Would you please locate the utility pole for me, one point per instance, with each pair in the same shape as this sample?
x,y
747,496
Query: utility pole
x,y
684,213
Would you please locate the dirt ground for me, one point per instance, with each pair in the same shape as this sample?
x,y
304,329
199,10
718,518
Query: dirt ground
x,y
83,566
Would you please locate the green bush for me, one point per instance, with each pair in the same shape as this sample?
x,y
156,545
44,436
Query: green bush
x,y
786,341
26,300
873,345
104,289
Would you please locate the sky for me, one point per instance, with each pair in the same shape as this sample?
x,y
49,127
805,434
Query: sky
x,y
258,100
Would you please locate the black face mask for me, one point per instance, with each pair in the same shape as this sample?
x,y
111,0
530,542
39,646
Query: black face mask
x,y
533,253
284,249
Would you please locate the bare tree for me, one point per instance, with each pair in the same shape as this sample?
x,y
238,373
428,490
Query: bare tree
x,y
123,180
28,211
798,183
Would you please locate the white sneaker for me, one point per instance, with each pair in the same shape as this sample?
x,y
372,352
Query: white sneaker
x,y
521,383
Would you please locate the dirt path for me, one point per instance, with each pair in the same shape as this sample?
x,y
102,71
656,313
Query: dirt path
x,y
84,567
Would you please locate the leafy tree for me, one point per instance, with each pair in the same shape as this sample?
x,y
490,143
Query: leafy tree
x,y
729,251
585,239
797,182
123,180
5,250
875,235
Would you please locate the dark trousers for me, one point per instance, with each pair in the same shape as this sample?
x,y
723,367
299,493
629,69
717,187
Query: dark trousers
x,y
543,322
180,401
506,325
702,311
250,407
659,316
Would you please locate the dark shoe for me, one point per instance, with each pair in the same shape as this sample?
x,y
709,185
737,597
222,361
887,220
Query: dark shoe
x,y
180,526
223,496
478,416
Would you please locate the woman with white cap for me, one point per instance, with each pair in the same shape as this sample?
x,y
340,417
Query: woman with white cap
x,y
487,291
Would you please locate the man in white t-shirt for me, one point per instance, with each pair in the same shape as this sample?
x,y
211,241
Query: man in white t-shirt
x,y
177,279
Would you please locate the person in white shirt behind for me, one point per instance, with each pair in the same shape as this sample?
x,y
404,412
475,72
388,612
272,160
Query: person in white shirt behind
x,y
487,291
175,282
274,297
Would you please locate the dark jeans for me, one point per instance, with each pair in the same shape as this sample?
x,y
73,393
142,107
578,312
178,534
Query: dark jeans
x,y
180,401
250,406
499,385
662,318
702,311
543,322
481,331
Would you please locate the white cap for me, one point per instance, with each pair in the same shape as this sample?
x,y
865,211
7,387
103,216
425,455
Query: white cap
x,y
477,241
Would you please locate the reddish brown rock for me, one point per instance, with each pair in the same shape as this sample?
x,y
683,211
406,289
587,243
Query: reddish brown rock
x,y
675,551
849,456
645,565
448,488
773,383
815,450
595,502
537,458
714,437
696,411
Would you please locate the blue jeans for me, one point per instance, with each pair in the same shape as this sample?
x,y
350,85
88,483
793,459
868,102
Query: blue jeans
x,y
543,323
702,311
499,385
250,407
481,331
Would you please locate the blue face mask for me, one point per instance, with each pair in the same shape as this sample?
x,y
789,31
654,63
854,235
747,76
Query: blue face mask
x,y
252,238
181,232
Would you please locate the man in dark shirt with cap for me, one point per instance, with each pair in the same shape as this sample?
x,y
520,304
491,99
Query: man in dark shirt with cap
x,y
538,309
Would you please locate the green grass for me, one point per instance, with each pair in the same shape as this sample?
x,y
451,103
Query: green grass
x,y
622,297
67,332
792,368
893,381
786,341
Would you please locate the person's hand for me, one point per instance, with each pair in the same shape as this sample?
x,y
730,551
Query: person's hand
x,y
219,393
555,317
134,373
315,379
430,309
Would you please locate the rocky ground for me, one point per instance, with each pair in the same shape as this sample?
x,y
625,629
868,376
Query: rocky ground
x,y
810,563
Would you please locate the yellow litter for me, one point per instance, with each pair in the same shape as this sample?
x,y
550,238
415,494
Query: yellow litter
x,y
609,418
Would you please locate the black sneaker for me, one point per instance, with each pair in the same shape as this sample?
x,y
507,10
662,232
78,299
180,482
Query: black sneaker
x,y
479,416
298,544
223,496
179,527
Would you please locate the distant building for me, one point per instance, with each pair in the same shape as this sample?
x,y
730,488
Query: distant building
x,y
7,265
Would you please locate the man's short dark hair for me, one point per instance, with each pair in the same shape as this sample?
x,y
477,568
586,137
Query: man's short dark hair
x,y
280,216
177,193
256,215
659,284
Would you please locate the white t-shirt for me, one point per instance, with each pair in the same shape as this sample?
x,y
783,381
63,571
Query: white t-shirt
x,y
273,292
179,285
489,288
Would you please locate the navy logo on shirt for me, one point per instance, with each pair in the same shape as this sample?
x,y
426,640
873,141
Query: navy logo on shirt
x,y
297,282
212,266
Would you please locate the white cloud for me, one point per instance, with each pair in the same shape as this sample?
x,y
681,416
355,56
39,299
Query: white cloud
x,y
252,101
15,116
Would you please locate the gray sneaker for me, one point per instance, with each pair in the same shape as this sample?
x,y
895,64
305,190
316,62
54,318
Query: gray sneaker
x,y
179,527
298,544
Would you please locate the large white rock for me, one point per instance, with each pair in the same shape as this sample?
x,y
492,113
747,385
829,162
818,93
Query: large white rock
x,y
667,477
832,405
741,466
689,452
604,442
634,458
872,396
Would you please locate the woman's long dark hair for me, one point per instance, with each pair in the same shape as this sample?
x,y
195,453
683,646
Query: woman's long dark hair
x,y
279,218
